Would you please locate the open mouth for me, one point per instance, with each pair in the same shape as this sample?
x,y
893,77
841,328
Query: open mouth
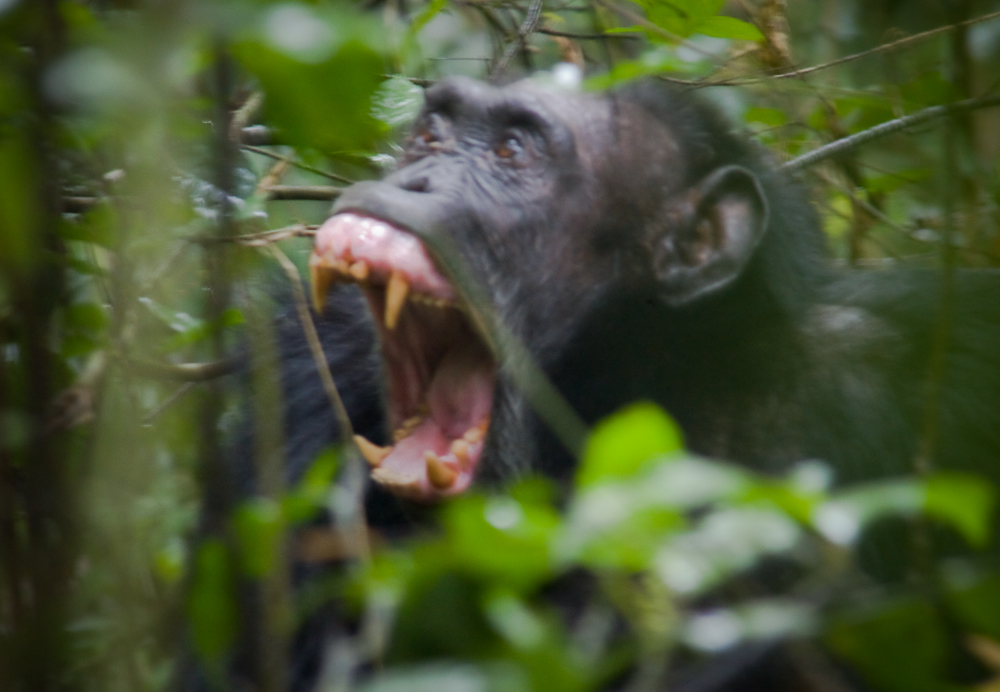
x,y
439,373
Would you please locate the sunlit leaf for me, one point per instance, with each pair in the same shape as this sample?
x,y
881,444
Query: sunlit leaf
x,y
729,27
626,442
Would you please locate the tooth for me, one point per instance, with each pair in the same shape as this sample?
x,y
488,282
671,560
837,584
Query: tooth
x,y
409,425
371,451
359,270
395,296
320,280
473,435
460,448
439,474
342,266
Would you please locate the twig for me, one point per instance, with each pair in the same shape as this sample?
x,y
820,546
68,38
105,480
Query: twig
x,y
887,128
298,164
322,193
258,135
174,397
587,37
352,517
184,372
892,45
527,27
245,113
885,47
266,237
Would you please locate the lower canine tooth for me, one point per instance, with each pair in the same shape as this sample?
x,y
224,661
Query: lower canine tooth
x,y
395,296
371,451
439,474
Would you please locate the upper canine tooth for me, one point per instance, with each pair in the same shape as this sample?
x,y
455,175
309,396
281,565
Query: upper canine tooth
x,y
440,475
371,451
320,280
395,296
359,270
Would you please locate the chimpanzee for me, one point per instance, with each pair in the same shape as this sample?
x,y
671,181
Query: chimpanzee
x,y
638,249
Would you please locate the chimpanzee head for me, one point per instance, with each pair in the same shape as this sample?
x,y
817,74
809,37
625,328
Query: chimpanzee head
x,y
553,201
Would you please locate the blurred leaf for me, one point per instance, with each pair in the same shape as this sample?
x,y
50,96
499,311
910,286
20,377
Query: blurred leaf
x,y
625,442
430,678
319,72
729,27
310,495
721,544
501,538
842,518
772,117
397,102
965,502
260,528
653,62
212,609
896,648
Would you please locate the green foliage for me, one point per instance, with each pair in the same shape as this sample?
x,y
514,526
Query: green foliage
x,y
109,168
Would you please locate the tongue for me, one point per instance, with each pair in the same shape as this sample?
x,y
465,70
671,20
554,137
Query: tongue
x,y
461,393
459,397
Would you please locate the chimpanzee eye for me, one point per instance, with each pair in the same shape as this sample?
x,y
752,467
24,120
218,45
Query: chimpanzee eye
x,y
508,148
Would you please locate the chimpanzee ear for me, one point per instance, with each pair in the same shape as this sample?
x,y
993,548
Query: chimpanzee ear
x,y
720,222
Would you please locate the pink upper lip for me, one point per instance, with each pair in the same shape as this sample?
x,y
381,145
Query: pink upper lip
x,y
352,237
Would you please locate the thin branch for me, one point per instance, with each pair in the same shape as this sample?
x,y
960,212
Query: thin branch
x,y
323,193
245,113
352,517
298,164
883,48
267,237
892,45
587,37
887,128
527,28
183,372
258,135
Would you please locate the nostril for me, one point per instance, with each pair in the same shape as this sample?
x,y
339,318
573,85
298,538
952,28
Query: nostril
x,y
420,184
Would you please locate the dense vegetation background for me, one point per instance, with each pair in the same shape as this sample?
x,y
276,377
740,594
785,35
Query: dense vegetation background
x,y
162,165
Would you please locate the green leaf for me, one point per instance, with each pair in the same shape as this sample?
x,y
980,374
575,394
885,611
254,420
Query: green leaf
x,y
729,27
260,527
965,502
501,538
310,495
397,102
212,608
897,648
771,117
318,84
429,12
626,442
